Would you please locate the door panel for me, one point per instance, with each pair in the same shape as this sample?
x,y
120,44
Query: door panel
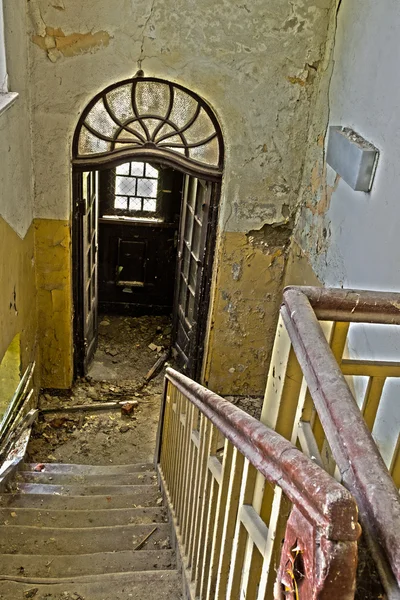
x,y
137,264
191,270
89,207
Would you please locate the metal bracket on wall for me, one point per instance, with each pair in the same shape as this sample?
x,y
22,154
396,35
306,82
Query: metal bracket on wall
x,y
352,157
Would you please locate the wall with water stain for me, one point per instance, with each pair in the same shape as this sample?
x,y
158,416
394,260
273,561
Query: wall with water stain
x,y
257,64
17,261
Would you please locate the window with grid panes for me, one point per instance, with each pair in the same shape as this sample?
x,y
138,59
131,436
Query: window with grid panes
x,y
136,188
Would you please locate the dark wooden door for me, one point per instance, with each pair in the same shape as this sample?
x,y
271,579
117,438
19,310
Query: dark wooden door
x,y
89,208
191,271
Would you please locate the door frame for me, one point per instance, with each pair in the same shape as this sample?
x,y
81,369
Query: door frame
x,y
77,260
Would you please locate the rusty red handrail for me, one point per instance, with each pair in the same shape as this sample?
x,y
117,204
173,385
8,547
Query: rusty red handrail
x,y
354,306
317,495
362,468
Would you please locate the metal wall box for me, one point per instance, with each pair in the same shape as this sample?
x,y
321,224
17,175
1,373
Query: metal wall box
x,y
352,157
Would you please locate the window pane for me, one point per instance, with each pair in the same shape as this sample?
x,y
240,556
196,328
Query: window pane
x,y
151,171
149,205
125,185
147,187
123,169
137,168
121,203
135,204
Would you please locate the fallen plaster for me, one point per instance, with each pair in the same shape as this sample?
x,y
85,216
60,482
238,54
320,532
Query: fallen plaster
x,y
57,44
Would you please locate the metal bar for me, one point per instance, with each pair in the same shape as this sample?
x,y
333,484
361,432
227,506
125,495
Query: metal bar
x,y
278,460
361,466
355,306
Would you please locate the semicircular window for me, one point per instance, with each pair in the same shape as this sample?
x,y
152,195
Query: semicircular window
x,y
149,114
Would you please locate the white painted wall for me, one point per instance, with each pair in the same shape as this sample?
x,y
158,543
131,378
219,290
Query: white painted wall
x,y
363,250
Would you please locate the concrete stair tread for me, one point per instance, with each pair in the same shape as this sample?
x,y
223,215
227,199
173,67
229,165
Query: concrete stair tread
x,y
41,517
46,540
69,565
89,469
140,496
76,489
138,478
147,585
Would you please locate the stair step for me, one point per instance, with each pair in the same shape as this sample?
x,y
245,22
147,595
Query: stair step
x,y
50,566
145,495
89,469
40,517
138,478
77,489
46,540
148,585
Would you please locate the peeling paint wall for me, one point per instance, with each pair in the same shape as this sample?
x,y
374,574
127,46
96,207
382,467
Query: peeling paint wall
x,y
350,239
53,263
17,268
256,64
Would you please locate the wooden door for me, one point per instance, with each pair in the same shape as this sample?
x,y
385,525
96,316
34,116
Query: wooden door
x,y
190,279
89,228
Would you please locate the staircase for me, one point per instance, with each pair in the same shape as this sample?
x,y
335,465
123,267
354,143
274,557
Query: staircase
x,y
77,532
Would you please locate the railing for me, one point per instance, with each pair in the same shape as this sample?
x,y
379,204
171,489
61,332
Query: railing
x,y
236,490
309,402
15,426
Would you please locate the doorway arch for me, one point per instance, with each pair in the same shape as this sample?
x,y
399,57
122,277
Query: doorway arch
x,y
151,121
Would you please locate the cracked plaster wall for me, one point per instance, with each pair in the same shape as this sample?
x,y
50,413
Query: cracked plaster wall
x,y
255,62
347,238
17,265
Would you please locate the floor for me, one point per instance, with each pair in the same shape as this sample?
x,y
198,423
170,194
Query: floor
x,y
128,347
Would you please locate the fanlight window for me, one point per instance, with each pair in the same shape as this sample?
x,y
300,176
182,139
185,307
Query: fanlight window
x,y
150,114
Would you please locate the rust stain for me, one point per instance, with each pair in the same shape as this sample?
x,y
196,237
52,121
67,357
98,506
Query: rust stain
x,y
73,44
319,186
296,81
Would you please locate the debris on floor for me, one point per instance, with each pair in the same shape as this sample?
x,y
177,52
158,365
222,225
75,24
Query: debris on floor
x,y
108,436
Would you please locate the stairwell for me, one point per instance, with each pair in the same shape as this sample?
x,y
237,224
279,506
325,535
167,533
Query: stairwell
x,y
79,532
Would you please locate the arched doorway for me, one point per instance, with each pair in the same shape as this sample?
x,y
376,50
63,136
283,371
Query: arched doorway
x,y
147,164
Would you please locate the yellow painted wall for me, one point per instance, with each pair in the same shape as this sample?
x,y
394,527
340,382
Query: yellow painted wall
x,y
53,262
10,372
17,292
247,297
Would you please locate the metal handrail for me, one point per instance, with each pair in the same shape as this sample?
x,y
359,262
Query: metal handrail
x,y
361,466
320,498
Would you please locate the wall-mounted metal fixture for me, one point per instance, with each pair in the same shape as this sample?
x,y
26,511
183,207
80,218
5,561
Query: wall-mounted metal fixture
x,y
352,157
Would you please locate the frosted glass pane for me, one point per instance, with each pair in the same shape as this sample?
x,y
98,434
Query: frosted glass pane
x,y
123,169
120,102
209,153
137,168
135,204
152,98
90,144
149,205
147,188
151,171
100,120
201,129
121,202
125,185
183,108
